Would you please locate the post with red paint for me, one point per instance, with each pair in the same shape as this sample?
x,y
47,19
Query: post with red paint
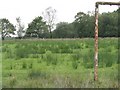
x,y
96,44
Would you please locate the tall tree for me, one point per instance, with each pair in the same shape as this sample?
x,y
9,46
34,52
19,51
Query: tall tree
x,y
50,17
108,24
84,24
64,30
80,23
37,28
6,27
20,28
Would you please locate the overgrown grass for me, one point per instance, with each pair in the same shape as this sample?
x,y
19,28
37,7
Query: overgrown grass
x,y
59,63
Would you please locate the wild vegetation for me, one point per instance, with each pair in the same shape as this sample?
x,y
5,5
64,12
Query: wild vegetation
x,y
59,63
41,56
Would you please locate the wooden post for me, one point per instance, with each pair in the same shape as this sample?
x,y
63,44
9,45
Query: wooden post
x,y
96,35
96,44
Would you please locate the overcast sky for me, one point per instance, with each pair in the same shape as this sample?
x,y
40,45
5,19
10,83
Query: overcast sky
x,y
66,9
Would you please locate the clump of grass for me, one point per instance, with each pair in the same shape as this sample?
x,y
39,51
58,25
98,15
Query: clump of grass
x,y
9,53
42,56
35,56
38,61
50,58
75,64
11,67
24,65
12,81
107,59
21,52
75,59
36,73
66,50
76,55
83,45
31,65
88,59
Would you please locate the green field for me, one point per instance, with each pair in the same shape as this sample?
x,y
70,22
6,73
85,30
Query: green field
x,y
59,63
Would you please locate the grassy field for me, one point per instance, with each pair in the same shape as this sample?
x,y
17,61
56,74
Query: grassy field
x,y
59,63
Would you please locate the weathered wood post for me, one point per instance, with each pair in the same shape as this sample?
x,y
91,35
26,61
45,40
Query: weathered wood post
x,y
96,44
96,34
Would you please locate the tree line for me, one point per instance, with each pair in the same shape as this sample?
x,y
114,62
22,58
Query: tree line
x,y
81,27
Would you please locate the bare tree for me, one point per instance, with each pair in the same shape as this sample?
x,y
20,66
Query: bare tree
x,y
20,28
50,17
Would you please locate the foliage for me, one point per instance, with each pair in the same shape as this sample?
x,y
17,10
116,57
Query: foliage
x,y
37,28
83,26
63,30
6,27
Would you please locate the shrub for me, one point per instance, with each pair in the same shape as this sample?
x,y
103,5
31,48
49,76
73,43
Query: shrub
x,y
54,61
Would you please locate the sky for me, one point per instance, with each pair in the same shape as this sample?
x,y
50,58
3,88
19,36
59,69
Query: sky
x,y
27,10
